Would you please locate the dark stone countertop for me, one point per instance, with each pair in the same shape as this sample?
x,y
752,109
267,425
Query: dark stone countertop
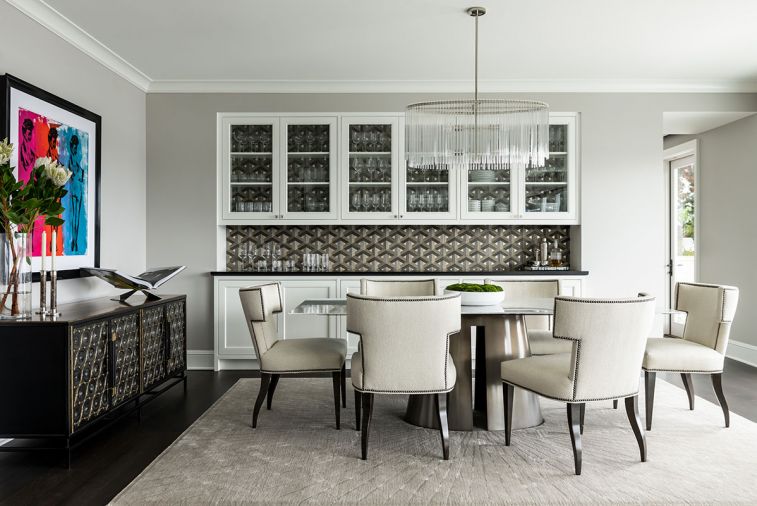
x,y
403,273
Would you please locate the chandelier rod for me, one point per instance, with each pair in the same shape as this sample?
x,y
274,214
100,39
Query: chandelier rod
x,y
476,12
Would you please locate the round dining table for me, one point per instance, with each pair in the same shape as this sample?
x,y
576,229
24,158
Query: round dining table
x,y
499,334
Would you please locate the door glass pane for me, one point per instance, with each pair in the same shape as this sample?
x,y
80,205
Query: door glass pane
x,y
308,168
251,168
489,191
370,169
683,226
427,191
547,185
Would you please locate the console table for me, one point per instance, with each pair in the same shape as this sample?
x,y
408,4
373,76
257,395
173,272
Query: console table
x,y
63,380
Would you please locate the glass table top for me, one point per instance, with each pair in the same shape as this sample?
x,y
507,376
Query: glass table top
x,y
338,307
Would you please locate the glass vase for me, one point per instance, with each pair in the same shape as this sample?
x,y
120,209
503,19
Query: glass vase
x,y
15,276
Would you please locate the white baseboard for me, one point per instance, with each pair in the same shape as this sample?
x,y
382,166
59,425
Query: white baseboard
x,y
742,352
200,360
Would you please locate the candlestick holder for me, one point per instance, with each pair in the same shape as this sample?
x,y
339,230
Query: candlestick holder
x,y
42,293
53,295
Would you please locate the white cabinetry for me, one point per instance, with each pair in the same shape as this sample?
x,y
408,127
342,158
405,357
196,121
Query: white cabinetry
x,y
350,169
232,342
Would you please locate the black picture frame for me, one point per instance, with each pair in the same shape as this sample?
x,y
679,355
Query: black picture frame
x,y
9,82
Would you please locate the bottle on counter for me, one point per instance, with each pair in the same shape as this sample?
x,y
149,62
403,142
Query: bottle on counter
x,y
555,257
544,252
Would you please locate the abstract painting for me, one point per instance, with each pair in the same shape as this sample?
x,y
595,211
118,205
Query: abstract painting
x,y
40,124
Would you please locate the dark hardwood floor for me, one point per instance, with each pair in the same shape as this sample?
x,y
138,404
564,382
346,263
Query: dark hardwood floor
x,y
104,465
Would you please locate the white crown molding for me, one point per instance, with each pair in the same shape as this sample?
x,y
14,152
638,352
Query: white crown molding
x,y
463,86
69,31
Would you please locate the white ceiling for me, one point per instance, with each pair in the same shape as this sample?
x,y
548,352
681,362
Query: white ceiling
x,y
698,122
546,45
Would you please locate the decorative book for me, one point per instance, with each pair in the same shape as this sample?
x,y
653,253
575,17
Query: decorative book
x,y
148,280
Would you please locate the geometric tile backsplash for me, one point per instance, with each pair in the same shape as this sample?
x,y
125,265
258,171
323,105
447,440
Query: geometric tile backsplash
x,y
392,248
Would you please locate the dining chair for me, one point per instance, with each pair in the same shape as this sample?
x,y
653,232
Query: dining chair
x,y
701,349
287,356
538,327
404,350
398,287
607,337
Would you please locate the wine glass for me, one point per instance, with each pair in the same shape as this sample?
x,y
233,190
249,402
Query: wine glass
x,y
376,201
355,140
309,141
358,165
385,201
356,201
421,201
412,200
371,166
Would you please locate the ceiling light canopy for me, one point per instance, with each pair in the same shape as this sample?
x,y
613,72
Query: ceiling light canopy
x,y
477,134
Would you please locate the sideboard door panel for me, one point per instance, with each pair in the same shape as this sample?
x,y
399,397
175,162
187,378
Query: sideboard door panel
x,y
89,372
153,347
175,325
124,335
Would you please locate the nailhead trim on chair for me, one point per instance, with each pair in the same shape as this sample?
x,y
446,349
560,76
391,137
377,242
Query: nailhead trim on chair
x,y
296,371
571,400
427,298
682,370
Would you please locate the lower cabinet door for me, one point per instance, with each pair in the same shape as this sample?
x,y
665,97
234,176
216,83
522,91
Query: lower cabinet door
x,y
153,346
89,372
124,335
177,337
294,292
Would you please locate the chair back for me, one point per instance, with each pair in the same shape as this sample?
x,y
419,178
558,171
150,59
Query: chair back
x,y
611,336
546,289
404,341
709,313
259,304
397,288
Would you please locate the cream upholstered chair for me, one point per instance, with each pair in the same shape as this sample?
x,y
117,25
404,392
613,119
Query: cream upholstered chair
x,y
288,356
398,287
404,350
700,350
607,338
538,327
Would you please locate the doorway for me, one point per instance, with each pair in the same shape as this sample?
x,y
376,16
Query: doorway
x,y
682,178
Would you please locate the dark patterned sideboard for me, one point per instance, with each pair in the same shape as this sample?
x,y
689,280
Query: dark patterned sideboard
x,y
62,380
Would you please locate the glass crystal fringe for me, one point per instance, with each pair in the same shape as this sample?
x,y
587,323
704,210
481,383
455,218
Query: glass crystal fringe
x,y
488,134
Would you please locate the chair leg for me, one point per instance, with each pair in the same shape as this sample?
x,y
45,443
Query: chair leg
x,y
508,392
336,379
717,384
583,415
265,379
358,401
441,417
632,410
367,413
272,389
574,426
689,386
344,385
615,404
649,379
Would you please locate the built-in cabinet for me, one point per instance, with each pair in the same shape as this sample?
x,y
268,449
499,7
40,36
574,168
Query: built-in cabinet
x,y
233,347
350,169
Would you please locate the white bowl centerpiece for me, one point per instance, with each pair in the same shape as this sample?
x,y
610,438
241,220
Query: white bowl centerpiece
x,y
474,294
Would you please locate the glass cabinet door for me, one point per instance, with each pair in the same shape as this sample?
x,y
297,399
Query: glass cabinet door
x,y
428,194
487,194
309,178
249,159
549,190
369,161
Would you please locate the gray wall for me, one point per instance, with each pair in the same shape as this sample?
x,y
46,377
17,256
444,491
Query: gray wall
x,y
727,199
34,54
622,187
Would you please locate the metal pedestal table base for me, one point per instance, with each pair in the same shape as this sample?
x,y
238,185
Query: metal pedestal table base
x,y
498,338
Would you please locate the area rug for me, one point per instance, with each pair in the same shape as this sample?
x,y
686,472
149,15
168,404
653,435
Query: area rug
x,y
296,456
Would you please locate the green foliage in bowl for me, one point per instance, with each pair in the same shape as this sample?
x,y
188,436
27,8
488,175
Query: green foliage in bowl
x,y
474,287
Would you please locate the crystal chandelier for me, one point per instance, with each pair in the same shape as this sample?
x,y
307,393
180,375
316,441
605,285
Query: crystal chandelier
x,y
477,134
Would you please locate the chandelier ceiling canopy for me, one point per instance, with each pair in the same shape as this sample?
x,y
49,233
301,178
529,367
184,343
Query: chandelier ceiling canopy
x,y
477,134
